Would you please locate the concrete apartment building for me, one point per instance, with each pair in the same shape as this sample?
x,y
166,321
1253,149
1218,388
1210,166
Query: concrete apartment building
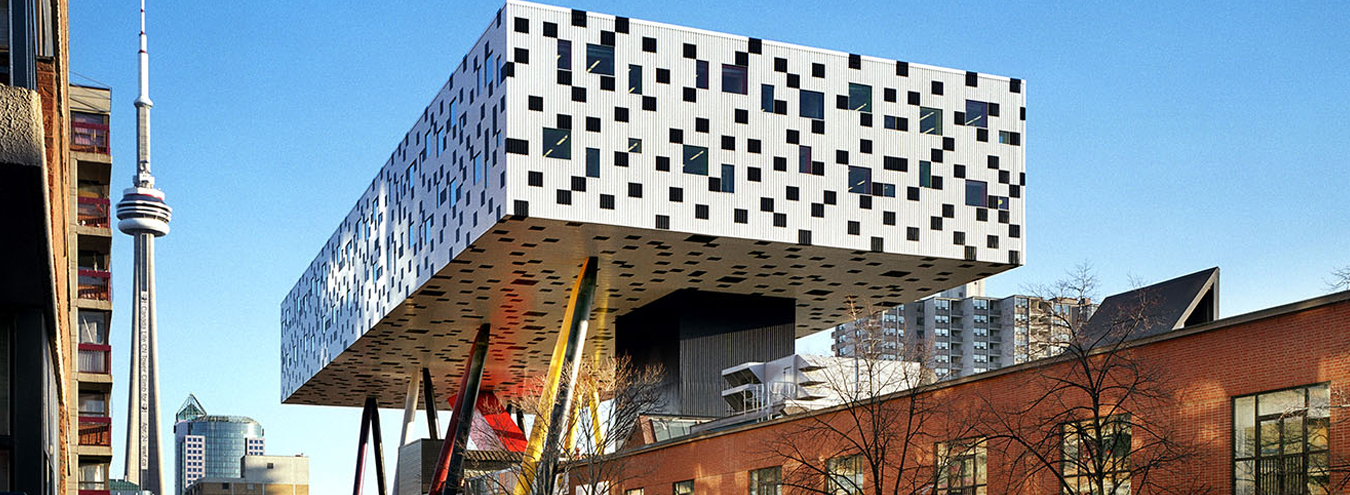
x,y
90,114
259,475
962,331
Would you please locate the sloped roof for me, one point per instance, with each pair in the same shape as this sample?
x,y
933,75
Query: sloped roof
x,y
190,410
1162,307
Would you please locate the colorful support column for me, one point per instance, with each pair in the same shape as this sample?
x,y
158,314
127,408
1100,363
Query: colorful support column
x,y
450,464
429,396
370,424
566,354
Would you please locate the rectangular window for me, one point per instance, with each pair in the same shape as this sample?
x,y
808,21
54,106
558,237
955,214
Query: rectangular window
x,y
633,491
592,162
961,467
977,113
635,79
735,79
859,97
600,59
489,69
804,159
564,55
634,145
685,487
925,173
695,160
477,168
766,98
93,326
813,104
977,192
1083,453
1280,441
767,481
728,178
1005,137
860,180
454,194
930,121
701,75
557,143
845,475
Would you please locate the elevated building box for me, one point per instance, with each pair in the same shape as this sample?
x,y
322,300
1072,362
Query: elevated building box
x,y
706,172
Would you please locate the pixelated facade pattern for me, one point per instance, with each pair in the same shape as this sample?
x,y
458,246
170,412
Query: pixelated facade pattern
x,y
684,159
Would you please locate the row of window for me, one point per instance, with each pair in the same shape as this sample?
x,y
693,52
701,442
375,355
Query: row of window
x,y
1280,446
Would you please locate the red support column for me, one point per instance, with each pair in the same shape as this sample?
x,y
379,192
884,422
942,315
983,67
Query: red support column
x,y
450,464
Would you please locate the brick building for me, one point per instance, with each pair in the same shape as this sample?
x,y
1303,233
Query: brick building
x,y
1284,369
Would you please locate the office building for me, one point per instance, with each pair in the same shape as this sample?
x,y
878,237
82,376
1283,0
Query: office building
x,y
760,182
260,475
90,112
730,195
211,446
961,331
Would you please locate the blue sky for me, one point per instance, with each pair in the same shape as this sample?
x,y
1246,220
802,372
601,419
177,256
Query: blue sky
x,y
1161,140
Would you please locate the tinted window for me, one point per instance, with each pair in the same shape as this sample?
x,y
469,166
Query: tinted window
x,y
734,79
695,160
977,113
600,59
813,104
860,180
930,121
859,97
976,192
557,143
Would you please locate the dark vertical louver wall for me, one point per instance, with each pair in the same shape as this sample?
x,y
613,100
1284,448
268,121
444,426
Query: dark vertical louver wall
x,y
694,335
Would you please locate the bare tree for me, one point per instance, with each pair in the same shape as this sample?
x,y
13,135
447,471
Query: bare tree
x,y
1092,422
609,397
874,434
1340,279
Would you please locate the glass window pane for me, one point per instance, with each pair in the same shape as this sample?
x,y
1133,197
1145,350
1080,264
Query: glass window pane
x,y
925,173
860,180
859,97
1270,437
592,162
564,55
804,159
813,104
728,178
1244,477
977,113
735,79
766,98
1280,402
930,121
695,160
600,59
1244,427
634,145
557,143
635,79
701,77
1293,434
976,192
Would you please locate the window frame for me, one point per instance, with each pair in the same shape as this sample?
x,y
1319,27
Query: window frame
x,y
1120,468
596,56
974,448
936,114
819,103
743,77
859,106
859,477
757,485
566,148
699,157
1307,451
675,487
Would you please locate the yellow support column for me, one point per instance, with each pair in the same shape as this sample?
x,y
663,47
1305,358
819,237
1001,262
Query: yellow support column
x,y
566,354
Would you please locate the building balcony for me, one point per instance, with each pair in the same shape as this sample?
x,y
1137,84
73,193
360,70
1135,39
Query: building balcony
x,y
96,431
93,212
95,285
95,358
89,137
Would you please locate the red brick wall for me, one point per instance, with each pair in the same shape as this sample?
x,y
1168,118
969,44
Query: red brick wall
x,y
1205,370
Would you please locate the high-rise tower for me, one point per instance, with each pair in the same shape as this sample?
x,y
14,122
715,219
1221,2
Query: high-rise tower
x,y
143,215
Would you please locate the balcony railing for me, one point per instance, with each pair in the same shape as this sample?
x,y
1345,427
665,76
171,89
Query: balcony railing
x,y
93,212
90,137
96,431
95,358
94,285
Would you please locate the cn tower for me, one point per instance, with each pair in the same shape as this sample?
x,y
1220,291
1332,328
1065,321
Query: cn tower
x,y
143,215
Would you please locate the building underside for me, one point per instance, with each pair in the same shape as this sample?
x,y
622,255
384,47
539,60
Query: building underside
x,y
518,276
